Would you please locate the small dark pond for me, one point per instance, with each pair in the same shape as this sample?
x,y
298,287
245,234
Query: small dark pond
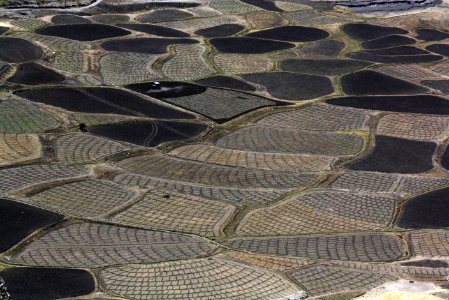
x,y
396,155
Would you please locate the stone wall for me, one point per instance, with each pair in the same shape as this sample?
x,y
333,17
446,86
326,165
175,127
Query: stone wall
x,y
44,3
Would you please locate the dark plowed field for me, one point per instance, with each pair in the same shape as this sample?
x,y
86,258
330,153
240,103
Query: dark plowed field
x,y
292,86
20,220
420,104
323,66
3,30
168,89
45,284
17,50
110,19
164,15
401,50
427,263
101,100
69,20
155,30
227,82
220,30
144,45
441,49
264,4
83,32
248,45
394,59
431,35
388,41
426,211
395,155
33,74
373,83
366,32
148,133
291,34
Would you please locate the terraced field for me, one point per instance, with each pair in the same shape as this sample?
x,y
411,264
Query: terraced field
x,y
222,149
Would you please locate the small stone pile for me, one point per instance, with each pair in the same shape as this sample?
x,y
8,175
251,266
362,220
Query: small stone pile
x,y
4,295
